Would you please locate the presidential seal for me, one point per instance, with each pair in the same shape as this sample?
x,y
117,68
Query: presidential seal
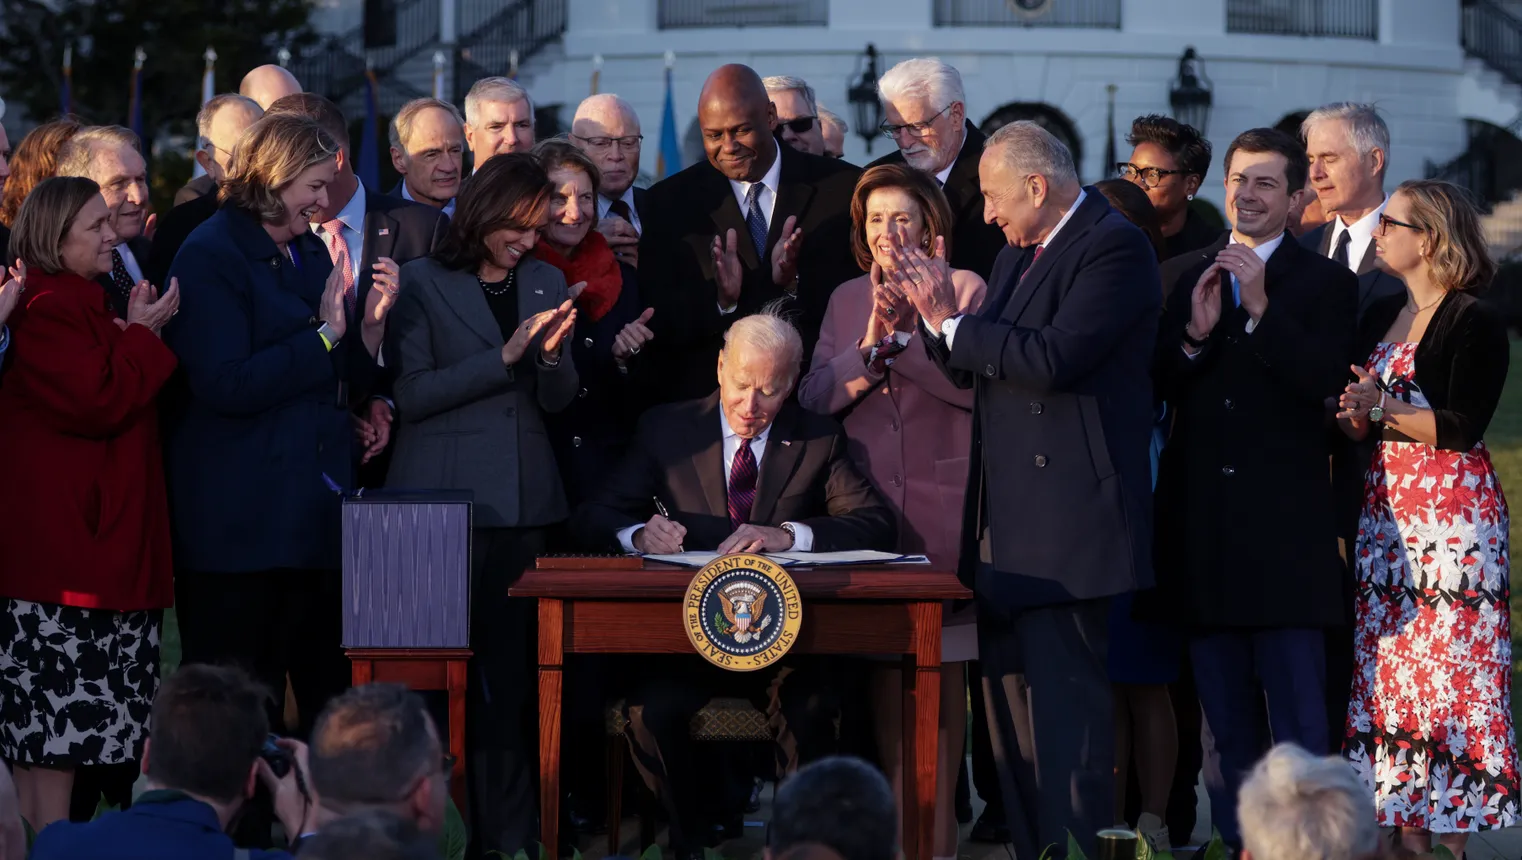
x,y
742,612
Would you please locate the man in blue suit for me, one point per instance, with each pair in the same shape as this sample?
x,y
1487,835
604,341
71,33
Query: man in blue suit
x,y
1059,505
202,761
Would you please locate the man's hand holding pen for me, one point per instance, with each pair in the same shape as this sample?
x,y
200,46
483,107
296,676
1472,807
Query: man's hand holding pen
x,y
660,535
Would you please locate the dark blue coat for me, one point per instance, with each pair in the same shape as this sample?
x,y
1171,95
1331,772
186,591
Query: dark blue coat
x,y
180,830
265,419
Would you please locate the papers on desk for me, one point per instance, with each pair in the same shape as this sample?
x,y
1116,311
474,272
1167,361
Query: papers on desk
x,y
799,559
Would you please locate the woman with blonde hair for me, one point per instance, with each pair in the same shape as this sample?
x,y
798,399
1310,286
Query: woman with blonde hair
x,y
264,439
1429,725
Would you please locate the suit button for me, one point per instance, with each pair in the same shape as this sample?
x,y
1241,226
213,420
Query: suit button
x,y
576,441
893,424
1041,461
989,370
1228,471
587,342
1229,404
581,393
897,480
1036,407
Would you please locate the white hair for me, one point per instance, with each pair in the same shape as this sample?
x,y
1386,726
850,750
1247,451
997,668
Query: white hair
x,y
77,157
604,103
831,118
922,78
1027,148
783,83
1296,806
1366,128
209,111
494,89
769,333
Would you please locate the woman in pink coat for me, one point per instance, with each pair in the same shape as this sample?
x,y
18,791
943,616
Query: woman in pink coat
x,y
909,429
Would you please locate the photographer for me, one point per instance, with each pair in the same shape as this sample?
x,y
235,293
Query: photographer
x,y
203,760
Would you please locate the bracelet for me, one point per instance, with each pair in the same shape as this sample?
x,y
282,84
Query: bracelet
x,y
1194,342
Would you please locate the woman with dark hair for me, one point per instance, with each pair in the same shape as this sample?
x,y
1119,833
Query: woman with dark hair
x,y
1169,161
476,339
1429,724
264,432
909,428
1144,658
84,526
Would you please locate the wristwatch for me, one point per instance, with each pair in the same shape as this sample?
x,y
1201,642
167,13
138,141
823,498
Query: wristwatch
x,y
1377,411
1196,343
328,334
792,533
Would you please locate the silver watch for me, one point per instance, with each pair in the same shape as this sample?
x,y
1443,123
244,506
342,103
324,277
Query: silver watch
x,y
327,332
792,532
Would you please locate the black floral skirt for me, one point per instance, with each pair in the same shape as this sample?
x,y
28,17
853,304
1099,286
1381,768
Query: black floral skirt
x,y
76,685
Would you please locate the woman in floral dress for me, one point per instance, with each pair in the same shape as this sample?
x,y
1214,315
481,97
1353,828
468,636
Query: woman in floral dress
x,y
1429,725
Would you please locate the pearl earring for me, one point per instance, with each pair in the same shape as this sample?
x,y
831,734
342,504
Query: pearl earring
x,y
1190,197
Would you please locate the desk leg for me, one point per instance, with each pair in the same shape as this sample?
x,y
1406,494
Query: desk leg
x,y
922,711
455,683
551,660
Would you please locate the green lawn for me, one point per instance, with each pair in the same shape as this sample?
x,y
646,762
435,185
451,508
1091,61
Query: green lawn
x,y
1505,441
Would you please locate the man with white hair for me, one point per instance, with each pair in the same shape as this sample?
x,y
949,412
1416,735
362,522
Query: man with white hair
x,y
926,114
499,117
606,128
108,154
834,130
428,150
745,469
1059,507
1296,806
267,84
797,113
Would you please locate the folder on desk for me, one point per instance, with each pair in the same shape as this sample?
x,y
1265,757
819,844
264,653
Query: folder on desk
x,y
799,559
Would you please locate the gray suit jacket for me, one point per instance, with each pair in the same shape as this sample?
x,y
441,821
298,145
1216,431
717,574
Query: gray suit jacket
x,y
465,422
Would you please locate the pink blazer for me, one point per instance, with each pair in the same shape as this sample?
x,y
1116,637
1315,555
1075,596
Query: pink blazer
x,y
909,430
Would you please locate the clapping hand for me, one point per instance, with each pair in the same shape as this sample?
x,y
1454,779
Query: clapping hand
x,y
331,308
726,268
1205,303
1359,396
558,321
11,290
1250,272
146,307
924,281
633,337
386,283
785,255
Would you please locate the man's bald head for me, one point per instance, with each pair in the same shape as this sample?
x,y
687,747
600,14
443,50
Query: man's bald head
x,y
606,128
268,83
736,116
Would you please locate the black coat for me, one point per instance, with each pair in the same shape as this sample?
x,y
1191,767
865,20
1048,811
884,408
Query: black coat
x,y
201,186
1246,530
806,476
1063,414
1373,283
975,244
1196,234
175,227
676,274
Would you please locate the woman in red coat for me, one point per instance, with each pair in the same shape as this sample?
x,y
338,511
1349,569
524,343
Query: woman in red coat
x,y
84,527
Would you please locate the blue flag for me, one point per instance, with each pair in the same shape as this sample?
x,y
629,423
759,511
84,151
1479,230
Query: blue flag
x,y
369,152
669,160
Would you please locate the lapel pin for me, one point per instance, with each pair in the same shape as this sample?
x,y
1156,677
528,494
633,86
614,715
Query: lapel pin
x,y
384,231
538,292
787,441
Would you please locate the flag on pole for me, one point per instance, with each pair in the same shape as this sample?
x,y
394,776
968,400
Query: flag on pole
x,y
68,79
208,92
596,72
512,65
369,153
135,99
438,75
1110,157
669,157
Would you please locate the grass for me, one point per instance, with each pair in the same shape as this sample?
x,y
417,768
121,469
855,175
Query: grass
x,y
1504,438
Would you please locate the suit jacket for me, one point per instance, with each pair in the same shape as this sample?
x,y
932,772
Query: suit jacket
x,y
141,250
806,477
201,186
1373,283
975,244
1058,363
84,520
909,429
265,425
177,225
676,272
1246,530
182,830
466,422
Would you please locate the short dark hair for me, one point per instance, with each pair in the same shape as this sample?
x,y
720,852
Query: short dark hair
x,y
508,192
918,185
841,803
1184,142
1130,200
1296,165
371,835
370,744
209,723
318,109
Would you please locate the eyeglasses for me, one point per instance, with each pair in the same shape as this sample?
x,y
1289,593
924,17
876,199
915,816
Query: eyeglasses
x,y
915,129
604,143
1386,222
799,125
1149,176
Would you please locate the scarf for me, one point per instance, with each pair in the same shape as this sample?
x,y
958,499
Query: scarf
x,y
591,261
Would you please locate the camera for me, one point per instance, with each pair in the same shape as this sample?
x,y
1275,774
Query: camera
x,y
278,758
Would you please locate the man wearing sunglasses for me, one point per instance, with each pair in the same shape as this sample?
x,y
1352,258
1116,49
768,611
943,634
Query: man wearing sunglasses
x,y
797,113
926,114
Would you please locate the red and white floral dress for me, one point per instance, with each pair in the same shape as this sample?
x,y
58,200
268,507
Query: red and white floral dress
x,y
1429,725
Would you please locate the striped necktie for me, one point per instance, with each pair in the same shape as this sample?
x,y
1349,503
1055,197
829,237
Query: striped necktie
x,y
742,485
754,220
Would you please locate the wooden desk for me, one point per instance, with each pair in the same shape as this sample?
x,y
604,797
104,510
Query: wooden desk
x,y
423,669
866,610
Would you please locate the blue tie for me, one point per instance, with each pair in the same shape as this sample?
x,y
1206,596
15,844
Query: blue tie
x,y
754,220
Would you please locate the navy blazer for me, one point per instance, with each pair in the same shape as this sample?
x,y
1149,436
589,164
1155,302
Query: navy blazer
x,y
180,830
265,419
1059,361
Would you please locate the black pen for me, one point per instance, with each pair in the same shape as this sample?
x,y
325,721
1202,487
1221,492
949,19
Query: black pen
x,y
661,509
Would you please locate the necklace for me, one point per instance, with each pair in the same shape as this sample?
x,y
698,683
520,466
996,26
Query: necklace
x,y
512,278
1412,312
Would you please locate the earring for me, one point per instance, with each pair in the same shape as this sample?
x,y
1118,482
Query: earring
x,y
1190,197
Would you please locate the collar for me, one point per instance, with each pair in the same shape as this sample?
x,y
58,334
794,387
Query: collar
x,y
1265,250
187,809
772,180
353,213
1066,216
125,250
407,195
627,197
1362,230
942,175
731,434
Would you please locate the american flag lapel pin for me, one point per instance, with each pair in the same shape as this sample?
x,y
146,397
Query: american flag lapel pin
x,y
787,441
538,292
384,231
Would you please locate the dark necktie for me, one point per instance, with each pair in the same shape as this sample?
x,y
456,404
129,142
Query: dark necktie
x,y
742,485
621,209
754,220
121,279
1340,253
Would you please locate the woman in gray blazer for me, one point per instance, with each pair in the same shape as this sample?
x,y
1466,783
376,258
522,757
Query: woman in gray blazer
x,y
475,338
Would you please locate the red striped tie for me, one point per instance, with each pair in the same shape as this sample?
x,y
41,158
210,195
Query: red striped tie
x,y
742,485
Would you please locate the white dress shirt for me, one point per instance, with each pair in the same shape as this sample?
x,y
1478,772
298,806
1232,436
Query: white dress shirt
x,y
448,207
604,204
133,269
1361,233
949,327
767,200
942,175
353,218
803,536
